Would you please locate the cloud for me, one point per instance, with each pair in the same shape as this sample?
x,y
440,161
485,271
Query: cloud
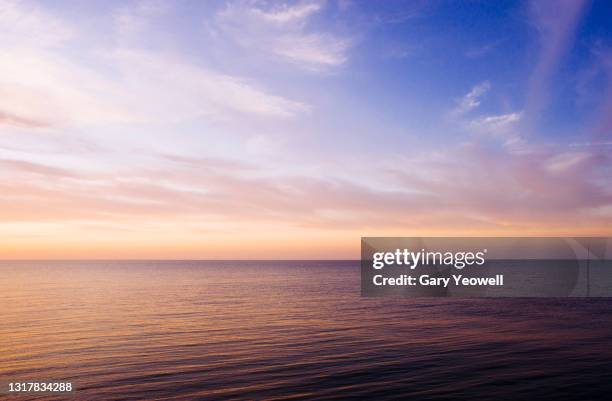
x,y
502,127
134,19
282,32
202,206
170,89
460,188
24,23
556,22
42,85
484,49
35,168
540,190
498,126
566,161
285,14
397,12
210,163
471,100
497,122
17,121
46,88
603,125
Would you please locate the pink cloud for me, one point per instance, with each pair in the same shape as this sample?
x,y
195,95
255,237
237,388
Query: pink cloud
x,y
556,22
9,119
468,187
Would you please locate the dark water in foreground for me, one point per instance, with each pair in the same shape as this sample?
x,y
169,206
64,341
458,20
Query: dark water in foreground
x,y
287,330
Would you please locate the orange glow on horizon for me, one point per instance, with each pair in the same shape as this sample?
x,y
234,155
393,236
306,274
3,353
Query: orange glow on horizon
x,y
288,243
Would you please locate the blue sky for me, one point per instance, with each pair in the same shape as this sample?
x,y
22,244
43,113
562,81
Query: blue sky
x,y
176,129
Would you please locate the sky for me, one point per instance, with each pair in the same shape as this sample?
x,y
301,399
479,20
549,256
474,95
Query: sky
x,y
244,129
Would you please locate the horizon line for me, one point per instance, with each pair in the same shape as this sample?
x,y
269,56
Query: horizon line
x,y
178,260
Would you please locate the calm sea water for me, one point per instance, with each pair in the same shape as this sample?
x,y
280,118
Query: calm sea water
x,y
287,331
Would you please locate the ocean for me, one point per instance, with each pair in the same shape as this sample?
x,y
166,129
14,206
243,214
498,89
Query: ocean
x,y
286,330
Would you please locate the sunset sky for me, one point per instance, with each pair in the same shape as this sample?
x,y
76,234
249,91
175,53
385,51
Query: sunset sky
x,y
288,130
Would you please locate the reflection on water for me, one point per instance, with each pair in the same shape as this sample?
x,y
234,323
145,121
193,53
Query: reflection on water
x,y
286,330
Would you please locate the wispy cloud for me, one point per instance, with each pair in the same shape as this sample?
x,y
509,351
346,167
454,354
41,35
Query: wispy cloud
x,y
42,86
483,49
501,127
35,168
27,23
135,18
17,121
495,189
497,122
471,100
170,89
566,161
525,191
282,31
556,22
45,87
603,125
